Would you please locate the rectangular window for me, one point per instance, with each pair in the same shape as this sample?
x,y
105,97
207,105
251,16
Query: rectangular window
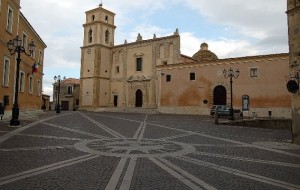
x,y
40,57
253,72
22,81
30,84
9,23
33,54
117,69
192,76
70,89
139,63
24,41
38,88
6,69
168,78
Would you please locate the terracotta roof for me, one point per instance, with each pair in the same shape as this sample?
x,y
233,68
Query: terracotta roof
x,y
71,81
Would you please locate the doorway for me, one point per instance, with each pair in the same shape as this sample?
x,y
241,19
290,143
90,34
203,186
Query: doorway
x,y
115,100
65,105
220,95
139,98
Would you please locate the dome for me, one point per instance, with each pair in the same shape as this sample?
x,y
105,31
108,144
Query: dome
x,y
204,55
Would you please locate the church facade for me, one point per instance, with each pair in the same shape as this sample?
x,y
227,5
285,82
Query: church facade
x,y
153,74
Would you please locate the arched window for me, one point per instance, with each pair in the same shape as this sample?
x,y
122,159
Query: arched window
x,y
106,19
171,49
93,17
161,51
106,36
90,36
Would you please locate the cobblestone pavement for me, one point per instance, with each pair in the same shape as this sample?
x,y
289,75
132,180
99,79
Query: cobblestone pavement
x,y
87,150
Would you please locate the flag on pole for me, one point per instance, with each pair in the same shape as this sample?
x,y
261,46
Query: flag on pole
x,y
34,68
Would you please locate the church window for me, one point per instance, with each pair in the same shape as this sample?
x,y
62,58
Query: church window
x,y
106,19
117,69
192,76
139,63
90,36
253,72
168,78
93,18
106,36
165,63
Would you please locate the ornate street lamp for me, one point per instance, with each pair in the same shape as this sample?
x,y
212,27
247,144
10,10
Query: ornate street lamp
x,y
230,74
16,46
57,79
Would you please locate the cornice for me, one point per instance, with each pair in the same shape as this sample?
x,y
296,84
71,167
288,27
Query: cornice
x,y
146,41
97,45
293,10
236,60
33,30
102,9
99,22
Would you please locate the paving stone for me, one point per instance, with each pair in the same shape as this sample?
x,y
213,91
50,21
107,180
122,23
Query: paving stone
x,y
87,150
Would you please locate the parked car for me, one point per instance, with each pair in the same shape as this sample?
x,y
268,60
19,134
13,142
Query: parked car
x,y
223,110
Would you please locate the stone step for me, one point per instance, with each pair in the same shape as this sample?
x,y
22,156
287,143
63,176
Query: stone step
x,y
30,114
129,110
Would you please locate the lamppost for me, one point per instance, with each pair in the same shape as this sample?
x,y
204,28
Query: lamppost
x,y
230,74
57,79
16,46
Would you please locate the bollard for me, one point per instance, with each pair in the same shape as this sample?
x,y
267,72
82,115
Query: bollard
x,y
216,117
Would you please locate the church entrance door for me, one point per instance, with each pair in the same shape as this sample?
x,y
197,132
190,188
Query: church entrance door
x,y
220,95
139,98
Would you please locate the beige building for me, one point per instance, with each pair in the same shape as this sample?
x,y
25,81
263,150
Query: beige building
x,y
13,23
194,87
68,95
293,13
154,74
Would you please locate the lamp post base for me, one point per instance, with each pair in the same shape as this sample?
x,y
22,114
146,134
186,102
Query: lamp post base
x,y
15,117
231,117
58,109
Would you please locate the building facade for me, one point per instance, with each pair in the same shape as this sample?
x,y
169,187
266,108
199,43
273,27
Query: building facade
x,y
68,94
13,23
154,74
194,87
293,13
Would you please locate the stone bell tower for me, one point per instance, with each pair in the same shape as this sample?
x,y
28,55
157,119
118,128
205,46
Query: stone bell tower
x,y
293,13
96,55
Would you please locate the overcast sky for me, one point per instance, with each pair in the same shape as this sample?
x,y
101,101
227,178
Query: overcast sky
x,y
232,28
